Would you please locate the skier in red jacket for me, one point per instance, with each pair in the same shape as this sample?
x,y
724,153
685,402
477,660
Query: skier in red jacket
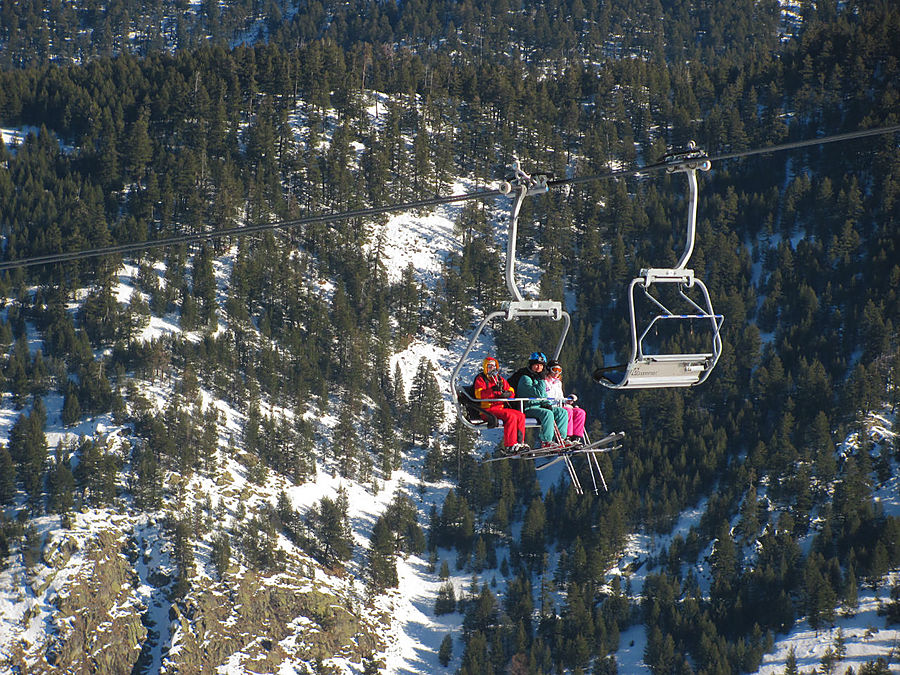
x,y
489,384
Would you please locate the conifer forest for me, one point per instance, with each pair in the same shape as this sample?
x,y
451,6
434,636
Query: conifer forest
x,y
138,121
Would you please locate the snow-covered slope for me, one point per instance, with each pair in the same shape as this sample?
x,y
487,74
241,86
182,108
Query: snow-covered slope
x,y
398,630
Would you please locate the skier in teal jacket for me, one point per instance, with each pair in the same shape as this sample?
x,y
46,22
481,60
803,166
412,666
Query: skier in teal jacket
x,y
529,383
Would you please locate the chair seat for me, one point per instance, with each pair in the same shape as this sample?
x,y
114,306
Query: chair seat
x,y
681,370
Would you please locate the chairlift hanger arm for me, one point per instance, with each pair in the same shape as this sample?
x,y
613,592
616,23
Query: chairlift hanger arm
x,y
667,165
524,186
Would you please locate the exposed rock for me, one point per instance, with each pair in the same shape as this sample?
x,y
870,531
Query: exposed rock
x,y
262,613
98,622
57,552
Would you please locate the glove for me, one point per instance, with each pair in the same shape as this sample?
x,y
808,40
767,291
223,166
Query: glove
x,y
510,394
573,398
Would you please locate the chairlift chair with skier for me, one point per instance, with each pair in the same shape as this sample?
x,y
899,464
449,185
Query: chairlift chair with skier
x,y
469,408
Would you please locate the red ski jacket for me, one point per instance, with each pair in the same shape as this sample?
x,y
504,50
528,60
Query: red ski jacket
x,y
492,387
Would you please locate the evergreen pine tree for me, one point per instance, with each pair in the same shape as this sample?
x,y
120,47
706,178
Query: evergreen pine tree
x,y
7,477
481,612
749,523
385,436
16,374
189,312
382,566
398,399
819,595
28,448
840,645
433,468
221,553
71,410
445,653
426,406
407,304
724,559
820,438
877,667
147,482
330,526
40,377
445,603
851,592
204,287
209,441
347,446
305,460
183,557
533,532
475,660
401,517
790,666
138,146
31,546
463,443
61,483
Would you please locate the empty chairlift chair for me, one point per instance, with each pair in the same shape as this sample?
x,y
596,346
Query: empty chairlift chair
x,y
659,368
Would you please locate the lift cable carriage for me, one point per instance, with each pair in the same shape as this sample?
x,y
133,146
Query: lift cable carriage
x,y
511,310
657,368
468,408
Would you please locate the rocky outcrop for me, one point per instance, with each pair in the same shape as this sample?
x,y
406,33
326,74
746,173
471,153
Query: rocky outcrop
x,y
86,594
94,623
267,620
98,621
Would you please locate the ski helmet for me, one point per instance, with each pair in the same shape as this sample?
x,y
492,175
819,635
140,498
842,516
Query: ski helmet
x,y
537,357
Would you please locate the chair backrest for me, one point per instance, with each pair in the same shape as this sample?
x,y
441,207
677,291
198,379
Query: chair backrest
x,y
474,412
465,396
649,371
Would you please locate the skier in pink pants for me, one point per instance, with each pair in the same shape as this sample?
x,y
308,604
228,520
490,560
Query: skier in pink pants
x,y
577,416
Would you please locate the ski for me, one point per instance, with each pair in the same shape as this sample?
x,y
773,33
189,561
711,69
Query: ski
x,y
605,444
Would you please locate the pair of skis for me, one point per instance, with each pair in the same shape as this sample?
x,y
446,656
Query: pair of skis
x,y
565,450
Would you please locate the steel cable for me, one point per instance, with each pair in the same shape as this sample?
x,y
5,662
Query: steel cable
x,y
423,203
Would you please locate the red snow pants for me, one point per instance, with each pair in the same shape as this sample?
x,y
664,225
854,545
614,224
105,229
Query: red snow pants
x,y
513,423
